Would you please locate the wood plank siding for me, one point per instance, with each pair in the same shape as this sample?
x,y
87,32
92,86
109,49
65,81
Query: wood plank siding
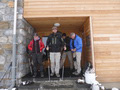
x,y
105,24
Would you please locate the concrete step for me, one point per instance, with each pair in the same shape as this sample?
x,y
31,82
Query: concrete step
x,y
56,85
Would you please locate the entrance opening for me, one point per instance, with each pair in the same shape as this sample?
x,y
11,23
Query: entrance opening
x,y
79,25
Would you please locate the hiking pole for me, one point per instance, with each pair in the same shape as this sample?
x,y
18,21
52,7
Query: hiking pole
x,y
48,70
47,54
48,65
63,62
62,66
63,72
30,64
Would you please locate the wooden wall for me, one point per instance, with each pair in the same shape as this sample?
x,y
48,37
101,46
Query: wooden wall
x,y
106,28
48,32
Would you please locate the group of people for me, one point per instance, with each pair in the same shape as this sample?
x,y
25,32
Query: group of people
x,y
59,45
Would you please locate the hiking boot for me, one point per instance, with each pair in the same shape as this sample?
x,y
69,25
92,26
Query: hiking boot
x,y
41,74
58,75
71,71
52,74
74,72
77,73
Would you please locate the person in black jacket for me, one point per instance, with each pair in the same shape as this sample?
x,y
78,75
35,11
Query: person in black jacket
x,y
67,52
54,45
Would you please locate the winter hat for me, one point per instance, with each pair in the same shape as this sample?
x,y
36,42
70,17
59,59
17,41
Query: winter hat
x,y
54,28
64,34
35,34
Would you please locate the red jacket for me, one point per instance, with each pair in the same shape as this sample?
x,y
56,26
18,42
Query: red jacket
x,y
30,45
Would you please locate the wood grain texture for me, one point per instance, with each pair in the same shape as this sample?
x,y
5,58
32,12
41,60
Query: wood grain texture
x,y
105,23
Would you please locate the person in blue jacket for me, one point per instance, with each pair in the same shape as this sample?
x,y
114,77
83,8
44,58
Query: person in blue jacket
x,y
76,48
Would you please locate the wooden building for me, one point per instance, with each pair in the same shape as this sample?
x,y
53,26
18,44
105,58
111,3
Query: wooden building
x,y
96,21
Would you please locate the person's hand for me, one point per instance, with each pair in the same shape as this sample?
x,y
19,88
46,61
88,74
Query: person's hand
x,y
74,49
47,48
65,48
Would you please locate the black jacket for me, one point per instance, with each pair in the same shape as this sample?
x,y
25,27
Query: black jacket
x,y
55,42
67,42
36,46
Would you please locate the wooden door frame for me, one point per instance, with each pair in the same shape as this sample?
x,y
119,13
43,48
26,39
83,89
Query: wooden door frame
x,y
92,41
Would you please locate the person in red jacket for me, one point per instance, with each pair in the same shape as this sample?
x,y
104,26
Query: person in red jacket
x,y
36,46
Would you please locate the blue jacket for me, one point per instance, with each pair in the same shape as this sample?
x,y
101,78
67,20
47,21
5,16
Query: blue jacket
x,y
77,44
